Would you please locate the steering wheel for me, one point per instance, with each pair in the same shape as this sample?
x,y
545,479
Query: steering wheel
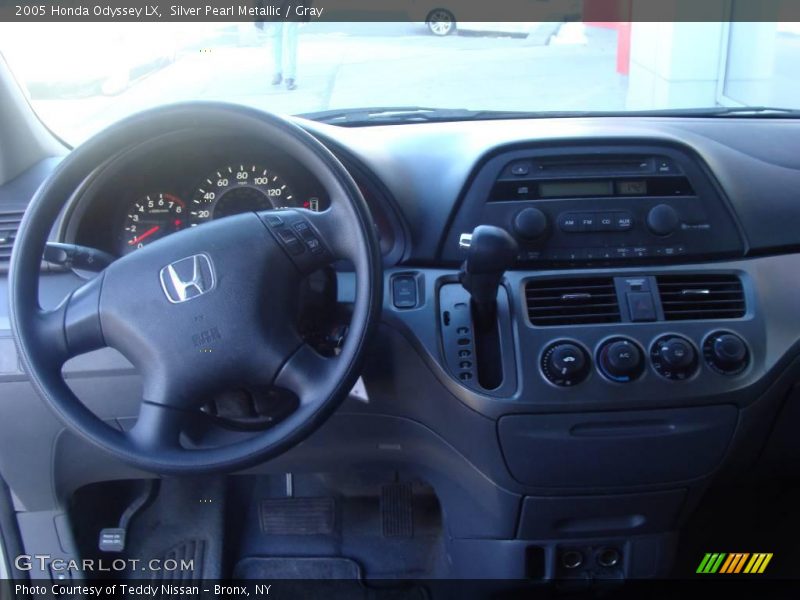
x,y
213,306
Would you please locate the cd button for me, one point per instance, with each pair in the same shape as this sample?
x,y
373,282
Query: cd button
x,y
605,221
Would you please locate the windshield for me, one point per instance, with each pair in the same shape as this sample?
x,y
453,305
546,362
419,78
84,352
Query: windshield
x,y
82,77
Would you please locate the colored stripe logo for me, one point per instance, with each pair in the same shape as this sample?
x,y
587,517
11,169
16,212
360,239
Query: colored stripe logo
x,y
734,562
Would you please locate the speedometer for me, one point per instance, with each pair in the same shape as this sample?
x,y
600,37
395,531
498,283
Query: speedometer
x,y
237,189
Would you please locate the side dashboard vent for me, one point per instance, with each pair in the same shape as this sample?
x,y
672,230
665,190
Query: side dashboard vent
x,y
572,301
9,223
701,296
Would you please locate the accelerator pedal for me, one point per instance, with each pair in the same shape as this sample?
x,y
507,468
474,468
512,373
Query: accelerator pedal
x,y
397,510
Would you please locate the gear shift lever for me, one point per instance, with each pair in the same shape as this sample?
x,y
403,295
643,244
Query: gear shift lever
x,y
491,250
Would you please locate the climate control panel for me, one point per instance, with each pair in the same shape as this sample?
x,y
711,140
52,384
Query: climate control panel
x,y
567,363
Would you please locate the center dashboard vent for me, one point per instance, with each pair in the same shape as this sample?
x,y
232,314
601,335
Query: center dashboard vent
x,y
9,223
701,296
572,301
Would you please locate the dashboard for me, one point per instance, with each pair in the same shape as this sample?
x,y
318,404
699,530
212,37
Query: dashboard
x,y
647,339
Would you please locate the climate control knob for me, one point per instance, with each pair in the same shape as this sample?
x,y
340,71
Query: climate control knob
x,y
662,219
726,353
565,363
620,360
530,223
674,357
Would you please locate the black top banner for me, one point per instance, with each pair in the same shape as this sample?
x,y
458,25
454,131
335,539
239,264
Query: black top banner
x,y
400,10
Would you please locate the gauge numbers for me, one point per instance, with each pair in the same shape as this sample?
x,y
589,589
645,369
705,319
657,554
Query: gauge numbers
x,y
150,218
237,189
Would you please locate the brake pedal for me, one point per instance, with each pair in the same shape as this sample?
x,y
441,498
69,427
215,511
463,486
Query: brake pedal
x,y
112,539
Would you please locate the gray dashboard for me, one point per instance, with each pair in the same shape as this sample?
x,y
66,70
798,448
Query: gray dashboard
x,y
427,167
426,174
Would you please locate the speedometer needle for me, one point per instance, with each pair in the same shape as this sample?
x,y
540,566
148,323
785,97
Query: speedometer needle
x,y
145,235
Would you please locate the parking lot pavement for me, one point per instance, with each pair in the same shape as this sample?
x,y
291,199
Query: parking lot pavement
x,y
403,66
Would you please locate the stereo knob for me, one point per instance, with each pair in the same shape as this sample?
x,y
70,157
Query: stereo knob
x,y
565,363
726,353
620,360
662,219
530,223
674,357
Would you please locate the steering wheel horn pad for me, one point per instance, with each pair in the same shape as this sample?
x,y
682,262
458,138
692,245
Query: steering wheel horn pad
x,y
202,310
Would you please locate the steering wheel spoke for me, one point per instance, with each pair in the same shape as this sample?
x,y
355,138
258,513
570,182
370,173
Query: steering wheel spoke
x,y
157,428
305,373
73,327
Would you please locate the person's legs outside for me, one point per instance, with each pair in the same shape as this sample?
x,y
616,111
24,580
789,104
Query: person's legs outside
x,y
290,41
277,52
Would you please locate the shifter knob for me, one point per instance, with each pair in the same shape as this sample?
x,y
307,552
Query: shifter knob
x,y
490,251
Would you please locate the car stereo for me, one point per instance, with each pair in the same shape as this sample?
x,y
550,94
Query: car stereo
x,y
600,205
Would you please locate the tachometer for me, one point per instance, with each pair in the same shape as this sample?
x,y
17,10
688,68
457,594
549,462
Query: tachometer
x,y
237,189
152,217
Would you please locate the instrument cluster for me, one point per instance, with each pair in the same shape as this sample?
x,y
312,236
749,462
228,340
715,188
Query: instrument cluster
x,y
171,187
229,190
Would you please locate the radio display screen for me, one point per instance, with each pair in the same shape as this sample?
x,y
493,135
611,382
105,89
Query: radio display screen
x,y
576,189
632,188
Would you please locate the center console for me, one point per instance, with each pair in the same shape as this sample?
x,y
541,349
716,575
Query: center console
x,y
638,215
620,366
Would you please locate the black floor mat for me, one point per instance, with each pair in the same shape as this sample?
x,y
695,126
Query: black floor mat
x,y
184,523
297,568
392,531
